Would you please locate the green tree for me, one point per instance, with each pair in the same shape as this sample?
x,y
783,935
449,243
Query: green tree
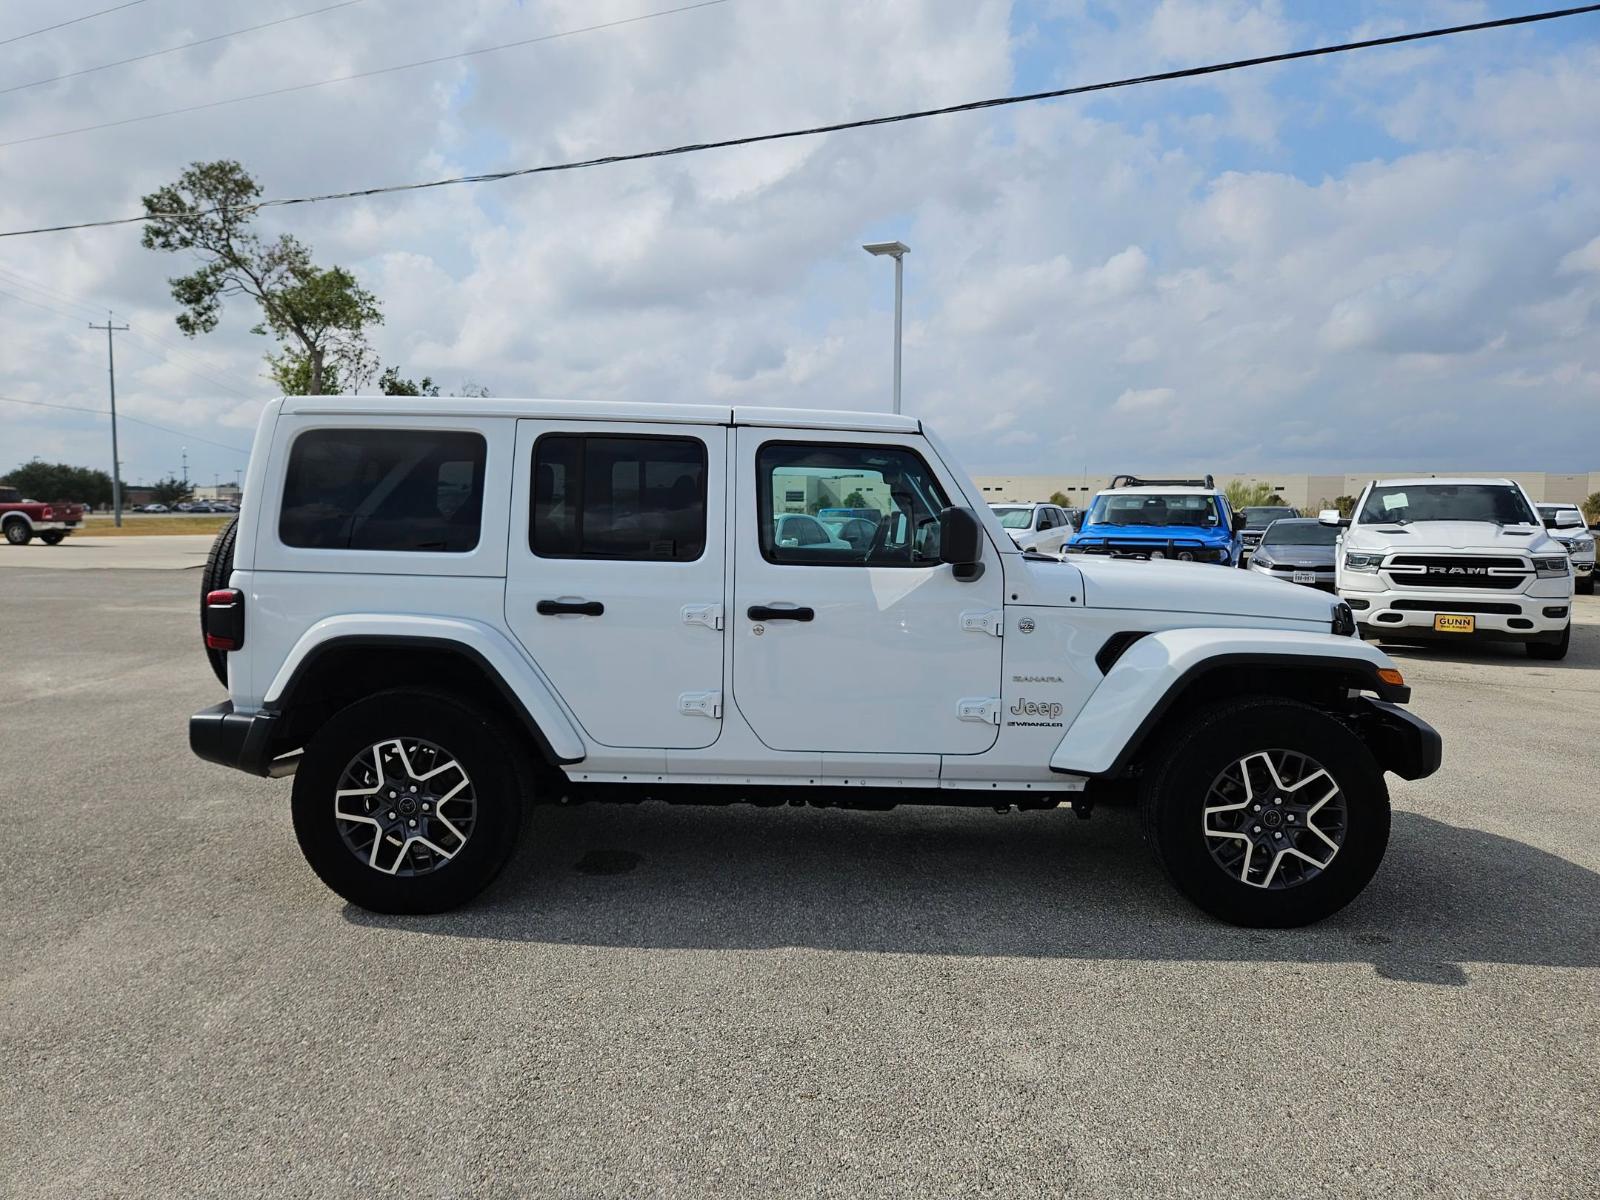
x,y
1346,505
1061,499
61,481
319,315
170,491
1246,495
856,500
1591,508
391,384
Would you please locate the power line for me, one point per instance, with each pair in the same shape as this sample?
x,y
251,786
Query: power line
x,y
211,379
867,122
169,349
75,20
122,62
100,412
421,62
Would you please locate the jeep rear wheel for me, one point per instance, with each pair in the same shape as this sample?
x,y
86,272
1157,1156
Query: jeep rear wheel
x,y
18,532
53,538
409,801
1267,813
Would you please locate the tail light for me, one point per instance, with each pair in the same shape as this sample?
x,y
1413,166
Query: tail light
x,y
47,513
225,619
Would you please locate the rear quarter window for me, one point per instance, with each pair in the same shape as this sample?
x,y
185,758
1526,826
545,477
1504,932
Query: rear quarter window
x,y
418,490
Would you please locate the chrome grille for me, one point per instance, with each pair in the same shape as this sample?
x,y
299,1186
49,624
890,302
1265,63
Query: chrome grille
x,y
1490,572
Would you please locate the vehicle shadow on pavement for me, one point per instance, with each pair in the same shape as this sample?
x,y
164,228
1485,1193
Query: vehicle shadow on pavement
x,y
963,882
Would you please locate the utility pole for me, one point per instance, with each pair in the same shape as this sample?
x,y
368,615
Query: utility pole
x,y
116,465
186,468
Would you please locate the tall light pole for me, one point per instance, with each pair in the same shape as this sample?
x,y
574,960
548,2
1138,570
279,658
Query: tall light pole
x,y
898,252
116,465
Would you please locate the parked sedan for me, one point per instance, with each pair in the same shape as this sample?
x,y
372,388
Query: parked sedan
x,y
1297,550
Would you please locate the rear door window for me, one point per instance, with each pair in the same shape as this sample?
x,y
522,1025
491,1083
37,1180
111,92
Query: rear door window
x,y
384,489
618,497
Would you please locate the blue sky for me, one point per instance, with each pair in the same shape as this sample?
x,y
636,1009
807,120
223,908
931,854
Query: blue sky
x,y
1367,260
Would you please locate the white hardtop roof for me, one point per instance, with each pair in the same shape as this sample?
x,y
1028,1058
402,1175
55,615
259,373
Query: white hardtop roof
x,y
599,410
1446,480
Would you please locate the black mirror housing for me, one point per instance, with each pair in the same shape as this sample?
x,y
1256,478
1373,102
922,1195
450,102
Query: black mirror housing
x,y
961,542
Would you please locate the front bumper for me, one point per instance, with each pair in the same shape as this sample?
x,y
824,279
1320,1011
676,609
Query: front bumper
x,y
1171,548
1409,612
1401,741
243,741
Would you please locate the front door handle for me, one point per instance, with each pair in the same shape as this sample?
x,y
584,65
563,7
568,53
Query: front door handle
x,y
555,608
760,612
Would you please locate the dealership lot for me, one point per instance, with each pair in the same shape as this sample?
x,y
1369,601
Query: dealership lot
x,y
734,1001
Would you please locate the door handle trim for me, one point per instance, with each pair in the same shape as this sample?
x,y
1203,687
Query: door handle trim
x,y
762,612
556,608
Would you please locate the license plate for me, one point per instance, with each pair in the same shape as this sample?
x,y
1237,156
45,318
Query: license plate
x,y
1305,576
1454,623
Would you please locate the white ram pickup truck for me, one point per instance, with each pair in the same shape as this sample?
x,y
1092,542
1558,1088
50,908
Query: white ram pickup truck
x,y
1431,559
432,613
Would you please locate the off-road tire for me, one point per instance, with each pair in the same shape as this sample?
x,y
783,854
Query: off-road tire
x,y
18,532
1551,651
218,568
54,538
1201,747
489,754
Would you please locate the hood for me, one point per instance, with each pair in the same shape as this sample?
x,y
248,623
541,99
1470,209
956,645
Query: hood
x,y
1289,555
1445,536
1197,588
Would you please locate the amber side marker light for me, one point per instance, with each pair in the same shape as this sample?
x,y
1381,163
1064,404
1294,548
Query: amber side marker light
x,y
1391,676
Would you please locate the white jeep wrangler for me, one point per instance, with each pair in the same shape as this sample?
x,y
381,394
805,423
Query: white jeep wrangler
x,y
431,612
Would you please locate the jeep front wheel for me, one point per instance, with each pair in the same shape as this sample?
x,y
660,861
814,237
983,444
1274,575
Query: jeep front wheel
x,y
1267,813
18,533
408,801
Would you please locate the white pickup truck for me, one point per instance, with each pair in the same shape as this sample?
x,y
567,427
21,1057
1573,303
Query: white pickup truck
x,y
1431,559
434,612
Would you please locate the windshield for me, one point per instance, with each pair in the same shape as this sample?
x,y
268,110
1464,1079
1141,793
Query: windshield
x,y
1499,503
1300,532
1561,516
1260,518
1145,508
1015,518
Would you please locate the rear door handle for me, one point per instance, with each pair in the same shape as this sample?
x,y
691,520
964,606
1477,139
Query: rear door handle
x,y
555,608
760,612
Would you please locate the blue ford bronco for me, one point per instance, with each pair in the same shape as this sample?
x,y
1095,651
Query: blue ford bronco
x,y
1184,519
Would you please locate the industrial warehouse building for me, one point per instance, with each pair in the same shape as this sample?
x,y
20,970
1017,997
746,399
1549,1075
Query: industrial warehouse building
x,y
1300,491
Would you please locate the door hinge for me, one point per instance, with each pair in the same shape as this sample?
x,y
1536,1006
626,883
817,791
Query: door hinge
x,y
709,615
985,710
701,704
991,621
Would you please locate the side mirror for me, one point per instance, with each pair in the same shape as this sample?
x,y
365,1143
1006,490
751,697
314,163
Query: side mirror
x,y
1239,522
1330,516
961,542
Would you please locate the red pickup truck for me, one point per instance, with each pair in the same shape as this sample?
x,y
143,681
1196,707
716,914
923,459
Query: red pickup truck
x,y
23,520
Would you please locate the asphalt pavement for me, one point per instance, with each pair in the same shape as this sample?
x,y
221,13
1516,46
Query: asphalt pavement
x,y
775,1002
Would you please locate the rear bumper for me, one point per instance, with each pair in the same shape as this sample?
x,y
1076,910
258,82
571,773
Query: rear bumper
x,y
1323,575
243,741
54,526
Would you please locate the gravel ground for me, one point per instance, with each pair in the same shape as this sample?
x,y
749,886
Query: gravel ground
x,y
702,1002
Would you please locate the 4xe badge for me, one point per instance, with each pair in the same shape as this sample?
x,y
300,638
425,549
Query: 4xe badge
x,y
1026,625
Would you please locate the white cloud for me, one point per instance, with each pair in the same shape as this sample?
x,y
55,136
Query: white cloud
x,y
1152,281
